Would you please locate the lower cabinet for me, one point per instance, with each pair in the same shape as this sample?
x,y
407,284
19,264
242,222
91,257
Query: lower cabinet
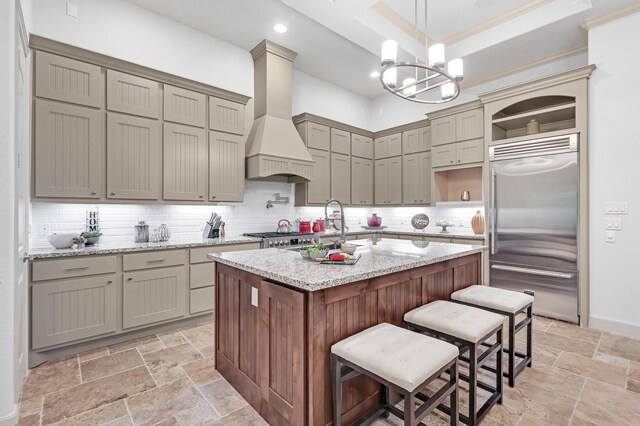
x,y
73,309
201,299
153,295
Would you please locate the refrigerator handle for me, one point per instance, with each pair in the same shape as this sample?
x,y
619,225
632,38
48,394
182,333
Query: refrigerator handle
x,y
492,211
533,271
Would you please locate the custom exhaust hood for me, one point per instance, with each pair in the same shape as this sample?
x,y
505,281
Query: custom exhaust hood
x,y
274,148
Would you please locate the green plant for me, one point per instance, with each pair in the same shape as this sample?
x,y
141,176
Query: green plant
x,y
314,249
91,234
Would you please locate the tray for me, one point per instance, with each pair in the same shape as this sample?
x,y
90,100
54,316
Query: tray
x,y
373,228
345,262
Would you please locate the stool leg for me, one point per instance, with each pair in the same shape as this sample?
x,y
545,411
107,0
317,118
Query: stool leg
x,y
473,383
336,384
530,335
386,399
409,413
453,398
512,350
499,381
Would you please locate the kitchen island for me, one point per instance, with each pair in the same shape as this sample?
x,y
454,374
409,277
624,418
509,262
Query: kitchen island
x,y
277,316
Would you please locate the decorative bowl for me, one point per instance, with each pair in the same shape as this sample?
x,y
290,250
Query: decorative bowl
x,y
305,254
62,240
318,254
348,248
92,240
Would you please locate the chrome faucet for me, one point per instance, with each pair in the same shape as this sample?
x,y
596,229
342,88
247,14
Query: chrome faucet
x,y
342,220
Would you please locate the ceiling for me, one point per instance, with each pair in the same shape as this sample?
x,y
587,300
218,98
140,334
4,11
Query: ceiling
x,y
339,40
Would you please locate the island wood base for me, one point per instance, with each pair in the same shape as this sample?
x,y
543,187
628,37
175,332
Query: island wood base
x,y
276,355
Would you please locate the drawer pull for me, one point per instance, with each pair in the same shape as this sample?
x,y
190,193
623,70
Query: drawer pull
x,y
156,260
77,268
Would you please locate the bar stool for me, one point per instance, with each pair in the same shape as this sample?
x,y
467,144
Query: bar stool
x,y
400,360
510,304
468,328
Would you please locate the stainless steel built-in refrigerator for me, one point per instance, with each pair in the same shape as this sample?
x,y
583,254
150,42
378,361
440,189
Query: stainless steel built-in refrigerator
x,y
533,222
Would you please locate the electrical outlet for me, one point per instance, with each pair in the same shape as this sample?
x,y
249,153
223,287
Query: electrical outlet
x,y
610,236
43,229
619,207
613,223
254,296
72,9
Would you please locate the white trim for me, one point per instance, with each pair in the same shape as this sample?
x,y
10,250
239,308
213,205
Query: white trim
x,y
616,14
615,326
11,419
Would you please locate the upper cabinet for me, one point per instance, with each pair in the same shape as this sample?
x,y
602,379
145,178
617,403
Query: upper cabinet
x,y
226,167
416,140
388,181
226,116
340,141
185,165
361,146
361,181
443,130
69,151
314,135
68,80
341,177
318,191
132,95
459,153
185,106
416,184
388,146
457,127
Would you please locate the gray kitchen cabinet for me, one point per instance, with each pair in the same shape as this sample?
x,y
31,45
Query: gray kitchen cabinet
x,y
361,146
444,155
154,295
72,267
73,309
226,116
416,183
314,135
69,151
470,124
132,94
416,140
381,147
341,178
133,162
443,130
184,106
186,165
202,275
318,190
201,300
361,181
388,181
68,80
459,153
226,167
388,146
153,259
340,141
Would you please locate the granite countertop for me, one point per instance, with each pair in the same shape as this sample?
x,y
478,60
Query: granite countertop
x,y
385,257
429,231
120,247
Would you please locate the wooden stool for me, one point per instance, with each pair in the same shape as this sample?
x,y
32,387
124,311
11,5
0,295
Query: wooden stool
x,y
510,304
468,328
402,361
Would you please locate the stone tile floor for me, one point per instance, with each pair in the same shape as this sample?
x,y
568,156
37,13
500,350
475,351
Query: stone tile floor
x,y
579,377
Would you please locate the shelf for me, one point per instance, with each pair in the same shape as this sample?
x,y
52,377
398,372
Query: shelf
x,y
449,185
523,138
552,114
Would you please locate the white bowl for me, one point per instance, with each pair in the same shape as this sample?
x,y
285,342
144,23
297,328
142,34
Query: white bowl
x,y
63,240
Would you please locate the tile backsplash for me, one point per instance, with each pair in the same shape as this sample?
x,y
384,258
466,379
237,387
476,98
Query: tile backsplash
x,y
117,220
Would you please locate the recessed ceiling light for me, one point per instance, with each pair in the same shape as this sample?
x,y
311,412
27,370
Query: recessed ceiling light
x,y
280,28
374,74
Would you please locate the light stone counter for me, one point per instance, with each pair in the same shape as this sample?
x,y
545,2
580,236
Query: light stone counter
x,y
385,257
429,231
114,248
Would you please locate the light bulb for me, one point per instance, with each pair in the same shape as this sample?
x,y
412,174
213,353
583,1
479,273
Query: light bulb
x,y
374,74
411,90
454,68
448,90
390,76
280,28
389,52
436,56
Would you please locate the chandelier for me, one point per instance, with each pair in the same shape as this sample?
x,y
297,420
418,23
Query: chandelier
x,y
419,80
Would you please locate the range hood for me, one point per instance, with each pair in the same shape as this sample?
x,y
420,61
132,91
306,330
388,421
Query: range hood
x,y
274,149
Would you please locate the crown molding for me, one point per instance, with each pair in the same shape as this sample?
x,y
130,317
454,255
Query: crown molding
x,y
616,14
268,46
305,116
455,109
51,46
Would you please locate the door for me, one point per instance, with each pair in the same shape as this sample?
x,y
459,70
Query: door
x,y
319,189
394,144
394,180
470,125
470,151
361,146
153,295
341,178
186,169
411,141
361,181
443,155
184,106
340,141
133,157
381,147
226,116
318,136
226,167
68,151
416,175
443,130
381,182
132,95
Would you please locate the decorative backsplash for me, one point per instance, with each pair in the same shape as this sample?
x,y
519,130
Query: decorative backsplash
x,y
117,220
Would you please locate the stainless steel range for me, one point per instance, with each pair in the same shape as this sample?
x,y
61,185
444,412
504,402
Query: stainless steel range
x,y
280,239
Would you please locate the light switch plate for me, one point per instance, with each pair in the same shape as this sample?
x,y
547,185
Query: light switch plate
x,y
72,9
616,207
613,223
610,236
254,296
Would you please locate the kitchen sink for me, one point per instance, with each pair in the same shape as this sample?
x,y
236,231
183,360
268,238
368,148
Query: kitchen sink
x,y
332,246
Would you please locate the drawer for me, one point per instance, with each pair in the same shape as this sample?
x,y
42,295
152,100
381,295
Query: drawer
x,y
467,241
72,267
153,259
436,239
199,255
201,299
202,275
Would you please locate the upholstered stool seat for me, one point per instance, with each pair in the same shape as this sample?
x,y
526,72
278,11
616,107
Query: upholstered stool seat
x,y
508,303
400,360
468,328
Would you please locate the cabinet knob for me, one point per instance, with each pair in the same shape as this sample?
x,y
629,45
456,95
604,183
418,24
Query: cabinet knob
x,y
201,196
451,161
113,193
213,196
415,201
109,282
93,192
458,161
129,279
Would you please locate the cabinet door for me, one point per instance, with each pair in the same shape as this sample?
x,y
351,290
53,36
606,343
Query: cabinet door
x,y
424,194
132,95
281,345
380,182
443,155
341,178
133,146
361,181
340,141
226,167
411,141
318,136
73,309
470,151
361,146
394,179
394,145
153,295
65,79
411,179
319,189
425,138
186,168
443,130
184,106
68,151
226,116
381,147
470,125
